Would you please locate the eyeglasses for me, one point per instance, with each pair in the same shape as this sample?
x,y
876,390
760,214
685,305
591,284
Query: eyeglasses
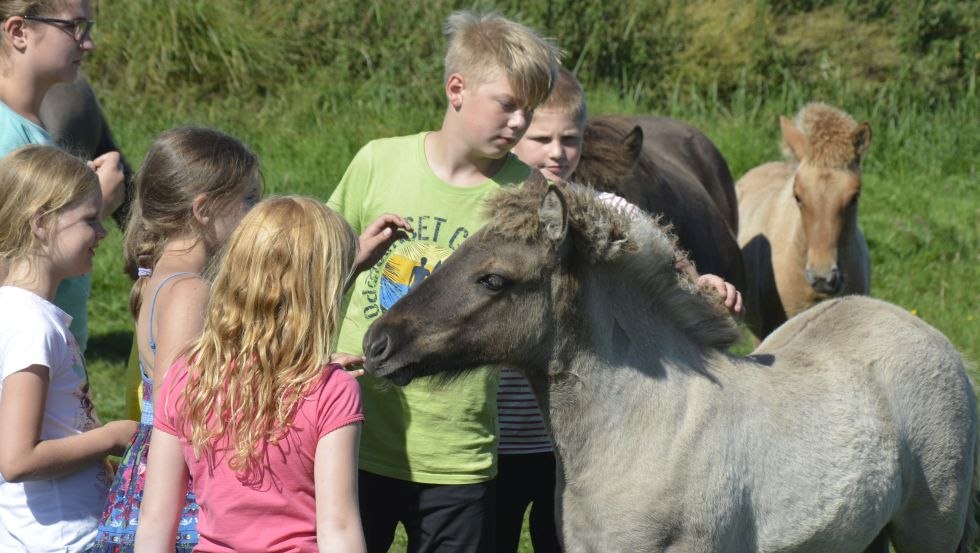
x,y
77,28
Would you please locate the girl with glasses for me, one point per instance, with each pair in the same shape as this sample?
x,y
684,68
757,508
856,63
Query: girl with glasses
x,y
42,43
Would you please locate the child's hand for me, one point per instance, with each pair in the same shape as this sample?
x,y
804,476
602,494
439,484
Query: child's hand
x,y
345,360
121,432
376,238
109,169
729,295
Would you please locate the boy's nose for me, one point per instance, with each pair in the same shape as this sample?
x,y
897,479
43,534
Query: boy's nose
x,y
519,119
554,150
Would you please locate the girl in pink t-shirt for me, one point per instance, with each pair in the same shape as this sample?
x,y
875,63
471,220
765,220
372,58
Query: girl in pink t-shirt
x,y
255,412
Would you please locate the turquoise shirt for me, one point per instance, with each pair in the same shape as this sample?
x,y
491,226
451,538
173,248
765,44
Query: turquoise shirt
x,y
72,295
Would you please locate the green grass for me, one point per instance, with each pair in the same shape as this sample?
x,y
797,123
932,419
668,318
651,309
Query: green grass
x,y
331,77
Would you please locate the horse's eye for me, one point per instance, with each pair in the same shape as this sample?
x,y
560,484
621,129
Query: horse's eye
x,y
493,282
797,198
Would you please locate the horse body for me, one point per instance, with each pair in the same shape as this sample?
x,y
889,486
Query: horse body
x,y
803,455
799,232
851,425
669,168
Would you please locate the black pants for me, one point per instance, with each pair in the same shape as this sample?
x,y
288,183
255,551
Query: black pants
x,y
437,517
524,479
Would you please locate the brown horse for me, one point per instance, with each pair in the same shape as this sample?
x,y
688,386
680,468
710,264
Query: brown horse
x,y
669,168
852,426
799,231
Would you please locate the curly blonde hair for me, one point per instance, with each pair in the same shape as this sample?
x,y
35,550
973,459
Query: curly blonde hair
x,y
269,328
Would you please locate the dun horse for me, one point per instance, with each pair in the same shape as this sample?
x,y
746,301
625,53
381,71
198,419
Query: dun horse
x,y
799,232
669,168
853,425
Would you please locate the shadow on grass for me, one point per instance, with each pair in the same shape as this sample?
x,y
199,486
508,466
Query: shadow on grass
x,y
111,347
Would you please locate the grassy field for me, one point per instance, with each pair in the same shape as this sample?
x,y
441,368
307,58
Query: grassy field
x,y
306,107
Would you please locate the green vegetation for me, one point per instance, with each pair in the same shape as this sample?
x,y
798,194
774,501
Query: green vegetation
x,y
307,83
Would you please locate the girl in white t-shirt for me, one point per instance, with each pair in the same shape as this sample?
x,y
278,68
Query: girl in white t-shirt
x,y
53,478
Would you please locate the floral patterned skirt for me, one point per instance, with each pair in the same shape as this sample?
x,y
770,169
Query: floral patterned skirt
x,y
122,511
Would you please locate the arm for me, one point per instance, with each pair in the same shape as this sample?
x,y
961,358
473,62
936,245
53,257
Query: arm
x,y
163,494
24,455
179,319
338,520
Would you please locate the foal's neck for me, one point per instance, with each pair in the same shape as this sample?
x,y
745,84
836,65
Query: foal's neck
x,y
627,360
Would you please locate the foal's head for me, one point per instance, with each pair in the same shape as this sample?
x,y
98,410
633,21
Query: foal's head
x,y
827,145
513,292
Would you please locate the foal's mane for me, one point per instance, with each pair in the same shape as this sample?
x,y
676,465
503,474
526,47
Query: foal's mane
x,y
829,132
644,252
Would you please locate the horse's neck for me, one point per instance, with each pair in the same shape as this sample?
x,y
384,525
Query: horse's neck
x,y
627,362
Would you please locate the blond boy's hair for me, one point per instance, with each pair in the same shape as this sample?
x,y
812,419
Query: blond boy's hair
x,y
567,98
269,329
36,183
484,46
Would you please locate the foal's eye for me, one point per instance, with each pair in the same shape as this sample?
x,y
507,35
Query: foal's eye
x,y
492,282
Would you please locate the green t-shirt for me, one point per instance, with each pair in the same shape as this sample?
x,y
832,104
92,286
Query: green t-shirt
x,y
425,432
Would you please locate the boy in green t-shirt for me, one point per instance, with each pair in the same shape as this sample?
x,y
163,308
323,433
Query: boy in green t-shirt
x,y
428,450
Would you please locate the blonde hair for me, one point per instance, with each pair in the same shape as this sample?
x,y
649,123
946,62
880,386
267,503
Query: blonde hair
x,y
269,328
182,164
10,8
37,181
567,97
481,47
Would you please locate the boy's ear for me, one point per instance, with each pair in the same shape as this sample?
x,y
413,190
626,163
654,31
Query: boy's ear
x,y
454,90
198,209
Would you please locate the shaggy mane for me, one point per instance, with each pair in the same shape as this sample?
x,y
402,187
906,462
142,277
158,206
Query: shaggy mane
x,y
829,132
640,245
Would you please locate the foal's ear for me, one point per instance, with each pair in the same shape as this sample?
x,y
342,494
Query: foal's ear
x,y
861,138
634,143
553,215
793,139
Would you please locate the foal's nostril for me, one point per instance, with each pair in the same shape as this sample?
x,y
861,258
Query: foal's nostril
x,y
378,348
826,283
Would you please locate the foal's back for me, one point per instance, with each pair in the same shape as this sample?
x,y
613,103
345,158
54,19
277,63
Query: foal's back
x,y
867,419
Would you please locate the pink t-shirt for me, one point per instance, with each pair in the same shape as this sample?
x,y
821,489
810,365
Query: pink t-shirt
x,y
278,514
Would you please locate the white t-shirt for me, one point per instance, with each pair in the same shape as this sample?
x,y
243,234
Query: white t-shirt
x,y
60,514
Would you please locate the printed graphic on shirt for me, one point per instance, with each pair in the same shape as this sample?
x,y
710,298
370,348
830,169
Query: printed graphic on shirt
x,y
408,263
85,417
406,267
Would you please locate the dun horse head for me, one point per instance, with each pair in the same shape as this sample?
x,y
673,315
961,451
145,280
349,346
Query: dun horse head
x,y
532,286
826,145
